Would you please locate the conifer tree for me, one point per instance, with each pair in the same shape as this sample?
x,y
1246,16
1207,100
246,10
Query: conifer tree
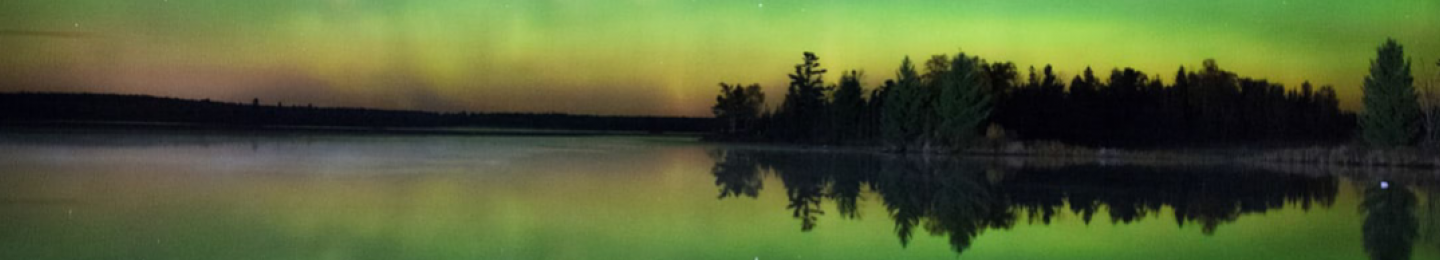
x,y
962,105
805,100
901,120
847,107
1391,110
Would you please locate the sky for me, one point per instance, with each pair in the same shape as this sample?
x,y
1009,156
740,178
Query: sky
x,y
654,57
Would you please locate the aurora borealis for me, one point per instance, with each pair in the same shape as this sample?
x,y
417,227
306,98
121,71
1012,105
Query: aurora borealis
x,y
658,57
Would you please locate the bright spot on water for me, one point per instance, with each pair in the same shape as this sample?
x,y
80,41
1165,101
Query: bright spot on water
x,y
1384,185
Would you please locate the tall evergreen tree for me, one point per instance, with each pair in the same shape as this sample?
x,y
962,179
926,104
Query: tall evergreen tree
x,y
901,117
1034,81
1084,88
1001,79
804,104
1391,110
1180,95
847,107
874,109
962,105
1050,84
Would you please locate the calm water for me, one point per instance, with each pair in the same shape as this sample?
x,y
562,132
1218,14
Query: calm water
x,y
216,196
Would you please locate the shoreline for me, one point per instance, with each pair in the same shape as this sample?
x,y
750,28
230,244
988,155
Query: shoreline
x,y
1340,158
151,127
1049,154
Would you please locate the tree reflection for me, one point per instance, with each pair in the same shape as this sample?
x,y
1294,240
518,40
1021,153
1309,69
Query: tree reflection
x,y
736,173
1390,225
805,189
1206,196
960,200
1431,218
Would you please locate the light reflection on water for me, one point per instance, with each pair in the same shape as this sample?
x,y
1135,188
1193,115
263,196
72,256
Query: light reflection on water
x,y
227,196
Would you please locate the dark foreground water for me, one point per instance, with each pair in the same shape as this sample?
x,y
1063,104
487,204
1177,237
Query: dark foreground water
x,y
224,196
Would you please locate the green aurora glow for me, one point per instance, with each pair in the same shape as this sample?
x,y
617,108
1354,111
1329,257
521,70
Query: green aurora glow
x,y
657,57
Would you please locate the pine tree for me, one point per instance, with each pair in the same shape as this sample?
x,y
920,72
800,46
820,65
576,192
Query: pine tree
x,y
962,105
847,106
804,104
874,107
901,120
1391,110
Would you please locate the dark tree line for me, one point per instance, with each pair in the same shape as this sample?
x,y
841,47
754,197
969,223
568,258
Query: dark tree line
x,y
957,100
961,200
45,107
1205,106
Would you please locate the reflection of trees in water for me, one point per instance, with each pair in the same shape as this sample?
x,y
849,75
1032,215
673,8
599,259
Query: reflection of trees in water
x,y
960,200
954,200
1390,225
736,173
1431,217
805,188
1207,197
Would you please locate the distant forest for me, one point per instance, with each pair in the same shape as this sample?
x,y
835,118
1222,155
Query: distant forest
x,y
959,100
48,107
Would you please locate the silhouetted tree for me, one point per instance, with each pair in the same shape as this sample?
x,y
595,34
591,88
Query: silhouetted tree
x,y
1205,106
1000,77
1084,101
903,114
1391,112
848,107
873,114
738,107
962,105
805,101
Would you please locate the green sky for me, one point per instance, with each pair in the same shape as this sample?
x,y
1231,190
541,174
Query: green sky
x,y
652,56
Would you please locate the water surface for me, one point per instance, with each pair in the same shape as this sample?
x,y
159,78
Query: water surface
x,y
176,195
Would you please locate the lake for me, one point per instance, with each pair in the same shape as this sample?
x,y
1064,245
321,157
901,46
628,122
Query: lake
x,y
218,195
